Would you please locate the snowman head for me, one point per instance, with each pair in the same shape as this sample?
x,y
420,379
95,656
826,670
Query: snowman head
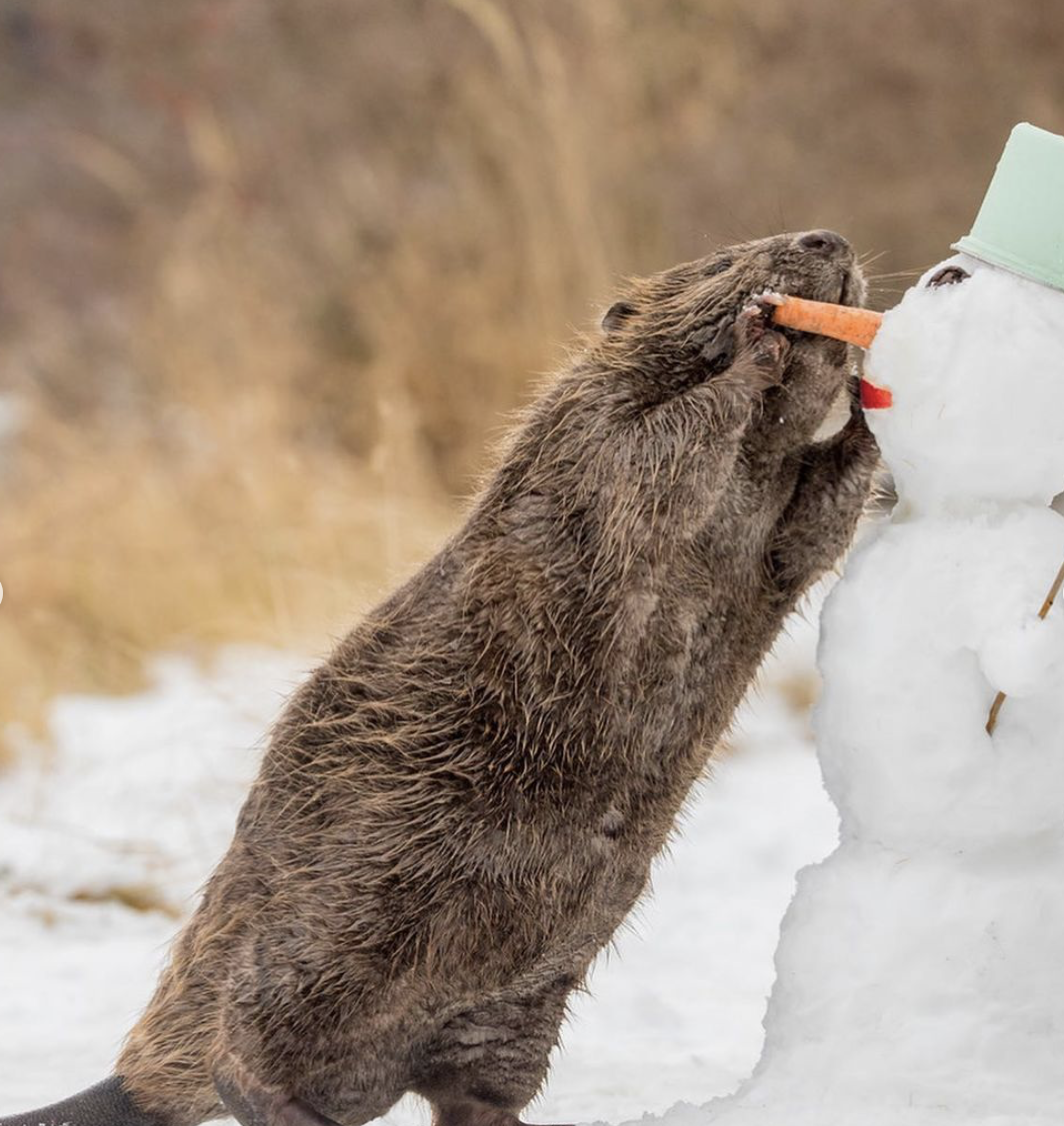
x,y
973,358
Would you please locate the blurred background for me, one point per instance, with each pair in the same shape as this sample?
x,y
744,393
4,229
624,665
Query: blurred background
x,y
275,272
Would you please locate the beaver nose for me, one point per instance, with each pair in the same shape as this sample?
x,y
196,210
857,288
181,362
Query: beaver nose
x,y
828,243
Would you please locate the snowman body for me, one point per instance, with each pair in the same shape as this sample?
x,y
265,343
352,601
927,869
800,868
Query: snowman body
x,y
936,615
920,971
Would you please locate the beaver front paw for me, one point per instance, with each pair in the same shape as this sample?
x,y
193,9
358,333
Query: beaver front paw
x,y
761,352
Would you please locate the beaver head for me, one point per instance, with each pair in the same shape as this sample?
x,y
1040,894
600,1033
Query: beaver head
x,y
675,329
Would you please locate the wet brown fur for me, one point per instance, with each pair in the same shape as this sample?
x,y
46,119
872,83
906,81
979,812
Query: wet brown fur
x,y
460,806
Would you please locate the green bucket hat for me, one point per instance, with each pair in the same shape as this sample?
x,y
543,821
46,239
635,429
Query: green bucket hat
x,y
1020,225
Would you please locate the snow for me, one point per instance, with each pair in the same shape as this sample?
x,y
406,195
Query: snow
x,y
927,775
130,803
134,799
919,980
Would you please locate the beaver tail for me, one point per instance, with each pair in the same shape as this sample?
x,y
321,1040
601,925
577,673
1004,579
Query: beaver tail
x,y
106,1104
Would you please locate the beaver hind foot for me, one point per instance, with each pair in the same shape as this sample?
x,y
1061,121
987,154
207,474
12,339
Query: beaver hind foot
x,y
259,1107
253,1104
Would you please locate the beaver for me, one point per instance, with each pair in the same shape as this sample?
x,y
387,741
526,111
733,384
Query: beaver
x,y
458,808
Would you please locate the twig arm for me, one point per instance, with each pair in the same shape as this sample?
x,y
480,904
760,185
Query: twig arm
x,y
1047,605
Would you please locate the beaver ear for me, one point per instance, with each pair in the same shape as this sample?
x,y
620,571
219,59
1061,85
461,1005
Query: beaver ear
x,y
616,315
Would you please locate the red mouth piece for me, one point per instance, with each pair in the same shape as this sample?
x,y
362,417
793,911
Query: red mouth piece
x,y
875,398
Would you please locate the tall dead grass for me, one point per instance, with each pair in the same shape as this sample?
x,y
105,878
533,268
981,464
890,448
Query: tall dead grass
x,y
276,273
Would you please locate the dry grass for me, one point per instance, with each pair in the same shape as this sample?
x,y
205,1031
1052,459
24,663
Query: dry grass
x,y
112,563
275,273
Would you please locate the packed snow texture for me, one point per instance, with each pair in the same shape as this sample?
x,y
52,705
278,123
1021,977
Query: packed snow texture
x,y
104,842
919,969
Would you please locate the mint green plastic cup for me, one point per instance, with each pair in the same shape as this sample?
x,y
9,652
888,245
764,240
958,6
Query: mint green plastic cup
x,y
1020,225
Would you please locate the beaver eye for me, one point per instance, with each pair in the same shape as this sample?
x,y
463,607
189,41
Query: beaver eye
x,y
718,267
948,275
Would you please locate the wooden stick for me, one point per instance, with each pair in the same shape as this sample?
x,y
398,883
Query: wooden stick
x,y
1047,605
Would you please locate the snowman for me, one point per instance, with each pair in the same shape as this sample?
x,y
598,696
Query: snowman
x,y
920,971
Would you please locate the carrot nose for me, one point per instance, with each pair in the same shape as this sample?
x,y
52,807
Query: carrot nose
x,y
841,322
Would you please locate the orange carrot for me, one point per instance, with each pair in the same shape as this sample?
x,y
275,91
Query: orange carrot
x,y
842,322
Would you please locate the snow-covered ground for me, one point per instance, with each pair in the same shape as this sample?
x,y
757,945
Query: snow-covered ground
x,y
104,840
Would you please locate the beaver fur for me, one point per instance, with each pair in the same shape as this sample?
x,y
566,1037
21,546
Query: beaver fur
x,y
459,807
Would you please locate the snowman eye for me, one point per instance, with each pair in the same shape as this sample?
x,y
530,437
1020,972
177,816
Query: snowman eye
x,y
948,275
